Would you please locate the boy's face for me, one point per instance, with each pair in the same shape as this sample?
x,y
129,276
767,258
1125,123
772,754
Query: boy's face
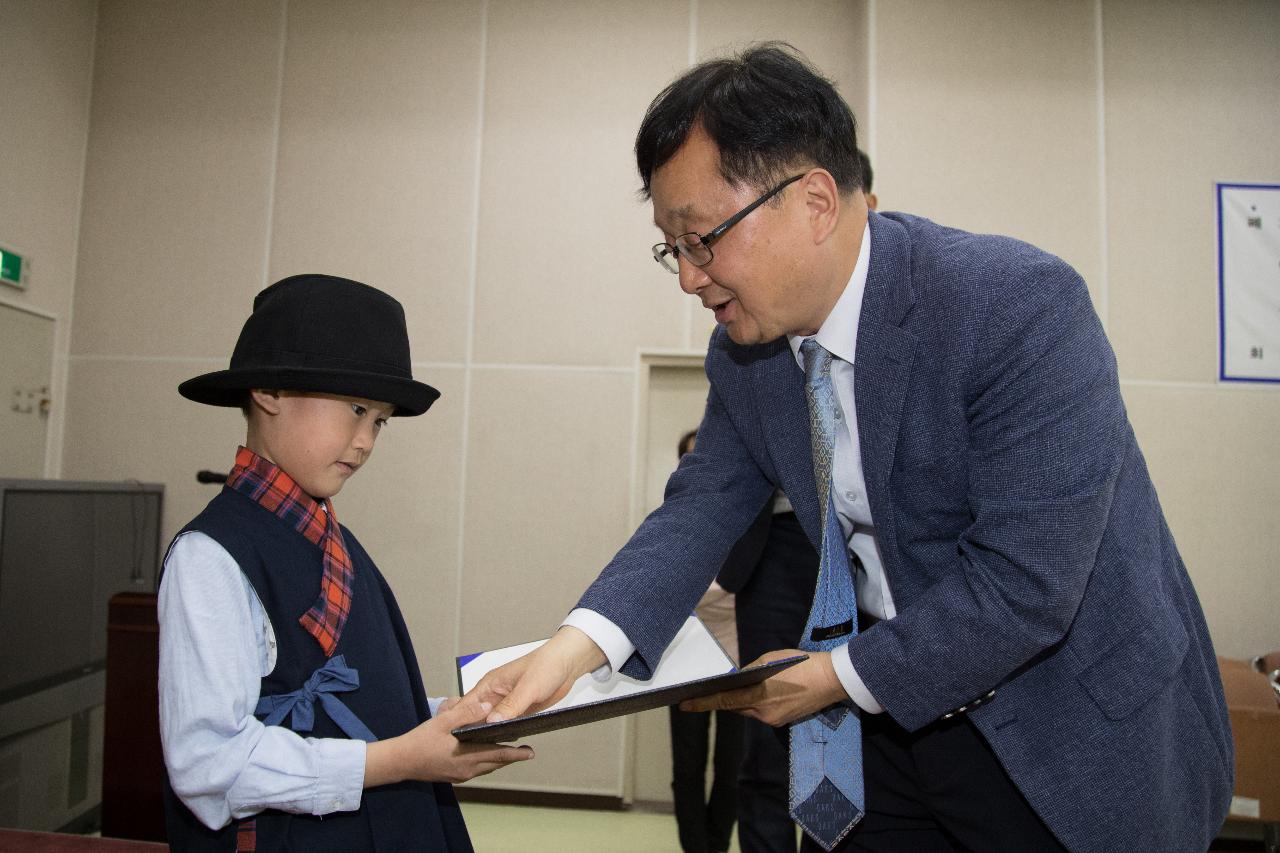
x,y
320,440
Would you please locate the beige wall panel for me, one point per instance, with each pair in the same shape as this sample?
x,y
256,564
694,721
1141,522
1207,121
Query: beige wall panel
x,y
47,68
404,508
831,33
46,65
1191,98
652,768
126,421
565,275
378,145
548,475
177,185
1212,456
988,120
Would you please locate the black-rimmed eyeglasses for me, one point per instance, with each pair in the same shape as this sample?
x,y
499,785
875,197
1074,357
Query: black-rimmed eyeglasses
x,y
696,248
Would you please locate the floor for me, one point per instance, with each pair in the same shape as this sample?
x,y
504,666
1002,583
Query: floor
x,y
529,829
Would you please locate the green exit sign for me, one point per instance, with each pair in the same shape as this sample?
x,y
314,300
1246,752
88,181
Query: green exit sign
x,y
10,267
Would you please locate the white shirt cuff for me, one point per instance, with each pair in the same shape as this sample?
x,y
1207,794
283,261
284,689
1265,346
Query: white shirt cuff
x,y
608,636
341,779
852,682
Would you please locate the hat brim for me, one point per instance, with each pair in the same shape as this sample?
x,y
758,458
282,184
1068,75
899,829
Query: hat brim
x,y
228,387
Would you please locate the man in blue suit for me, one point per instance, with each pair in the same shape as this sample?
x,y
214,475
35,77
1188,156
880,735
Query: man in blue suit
x,y
1033,671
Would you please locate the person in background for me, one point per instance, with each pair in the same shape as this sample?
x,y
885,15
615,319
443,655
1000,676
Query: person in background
x,y
865,162
705,822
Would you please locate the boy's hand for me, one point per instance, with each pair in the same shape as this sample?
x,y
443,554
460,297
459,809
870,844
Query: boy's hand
x,y
539,679
430,753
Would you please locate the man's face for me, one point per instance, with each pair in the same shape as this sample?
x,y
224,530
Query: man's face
x,y
758,283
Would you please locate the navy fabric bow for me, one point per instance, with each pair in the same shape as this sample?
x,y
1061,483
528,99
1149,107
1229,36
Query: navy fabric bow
x,y
334,677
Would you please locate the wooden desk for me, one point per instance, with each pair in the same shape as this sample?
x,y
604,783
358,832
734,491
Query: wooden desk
x,y
132,762
25,841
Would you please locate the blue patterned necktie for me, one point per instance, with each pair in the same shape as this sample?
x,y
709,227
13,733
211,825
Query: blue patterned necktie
x,y
826,749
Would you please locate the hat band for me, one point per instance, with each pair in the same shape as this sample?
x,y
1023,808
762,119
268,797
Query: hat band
x,y
276,359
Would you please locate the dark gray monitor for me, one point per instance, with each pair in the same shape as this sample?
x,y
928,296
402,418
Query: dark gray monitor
x,y
66,547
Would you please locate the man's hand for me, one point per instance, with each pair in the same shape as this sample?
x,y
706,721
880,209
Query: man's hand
x,y
792,694
539,679
430,752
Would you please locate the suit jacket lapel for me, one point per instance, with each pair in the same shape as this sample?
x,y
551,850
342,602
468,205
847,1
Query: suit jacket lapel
x,y
882,370
882,363
784,413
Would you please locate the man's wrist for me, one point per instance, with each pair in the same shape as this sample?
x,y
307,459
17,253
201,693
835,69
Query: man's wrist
x,y
606,635
584,655
852,683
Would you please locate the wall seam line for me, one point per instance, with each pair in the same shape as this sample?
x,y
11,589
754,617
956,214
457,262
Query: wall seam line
x,y
275,145
1104,285
691,56
55,439
468,365
1246,387
871,146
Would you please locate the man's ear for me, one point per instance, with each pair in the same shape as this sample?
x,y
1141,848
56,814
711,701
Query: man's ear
x,y
822,203
266,399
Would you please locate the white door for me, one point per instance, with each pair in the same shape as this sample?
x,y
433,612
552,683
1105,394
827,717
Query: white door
x,y
672,402
26,368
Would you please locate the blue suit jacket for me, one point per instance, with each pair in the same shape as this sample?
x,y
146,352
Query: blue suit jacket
x,y
1018,527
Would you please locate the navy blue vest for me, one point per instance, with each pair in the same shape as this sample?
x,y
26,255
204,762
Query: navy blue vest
x,y
285,570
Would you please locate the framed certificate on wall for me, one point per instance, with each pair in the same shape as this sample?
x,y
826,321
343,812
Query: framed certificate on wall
x,y
1249,282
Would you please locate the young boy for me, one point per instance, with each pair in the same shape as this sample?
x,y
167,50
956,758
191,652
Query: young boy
x,y
292,711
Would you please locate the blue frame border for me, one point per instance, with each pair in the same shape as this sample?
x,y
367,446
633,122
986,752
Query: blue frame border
x,y
1222,306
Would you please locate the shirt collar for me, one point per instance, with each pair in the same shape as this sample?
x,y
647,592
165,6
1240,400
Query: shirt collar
x,y
838,334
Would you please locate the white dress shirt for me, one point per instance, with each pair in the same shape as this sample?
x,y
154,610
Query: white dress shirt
x,y
839,335
216,645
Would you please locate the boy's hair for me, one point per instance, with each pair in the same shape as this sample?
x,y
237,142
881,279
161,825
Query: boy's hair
x,y
768,112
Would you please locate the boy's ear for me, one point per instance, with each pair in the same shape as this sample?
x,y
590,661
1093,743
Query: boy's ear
x,y
268,400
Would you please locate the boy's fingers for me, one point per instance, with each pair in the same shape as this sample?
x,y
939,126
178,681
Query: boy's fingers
x,y
497,760
465,711
491,756
507,754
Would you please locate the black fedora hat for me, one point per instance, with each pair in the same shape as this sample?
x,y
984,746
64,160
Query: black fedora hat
x,y
324,334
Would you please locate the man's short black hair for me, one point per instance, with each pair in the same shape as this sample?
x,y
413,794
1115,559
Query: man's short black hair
x,y
767,110
865,163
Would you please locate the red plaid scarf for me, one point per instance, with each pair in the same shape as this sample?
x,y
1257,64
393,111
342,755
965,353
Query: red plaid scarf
x,y
275,490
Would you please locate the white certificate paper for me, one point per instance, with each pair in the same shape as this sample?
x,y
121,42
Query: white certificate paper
x,y
693,665
692,655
